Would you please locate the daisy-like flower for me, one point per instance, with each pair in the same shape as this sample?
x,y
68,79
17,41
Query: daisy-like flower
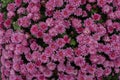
x,y
96,16
7,23
11,7
31,67
44,58
51,65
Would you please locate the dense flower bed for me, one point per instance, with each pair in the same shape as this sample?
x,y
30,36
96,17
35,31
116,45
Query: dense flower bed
x,y
60,39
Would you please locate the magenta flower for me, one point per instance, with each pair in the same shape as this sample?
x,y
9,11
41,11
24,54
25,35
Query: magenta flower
x,y
17,37
53,32
42,77
107,63
59,3
61,67
51,66
94,58
75,2
99,72
117,62
101,3
30,16
88,22
70,8
69,52
11,7
48,51
54,57
60,55
76,23
79,61
31,67
7,23
15,77
44,58
36,16
23,69
117,70
18,49
57,14
38,63
50,5
78,12
80,76
84,14
39,34
117,14
96,17
90,77
35,56
7,64
7,54
69,70
26,1
88,6
34,29
113,55
107,9
65,13
43,26
60,28
24,43
35,9
10,14
34,46
26,50
16,66
21,10
91,69
60,42
24,22
111,15
18,3
107,71
47,38
86,31
66,39
47,73
35,1
28,56
50,22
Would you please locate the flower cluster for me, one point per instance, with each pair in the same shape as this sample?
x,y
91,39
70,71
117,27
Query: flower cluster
x,y
60,40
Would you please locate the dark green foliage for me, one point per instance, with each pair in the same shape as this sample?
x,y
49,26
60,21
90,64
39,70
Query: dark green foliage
x,y
5,2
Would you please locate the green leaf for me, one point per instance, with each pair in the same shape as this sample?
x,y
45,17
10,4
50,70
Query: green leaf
x,y
100,21
73,42
5,2
15,26
94,11
109,77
